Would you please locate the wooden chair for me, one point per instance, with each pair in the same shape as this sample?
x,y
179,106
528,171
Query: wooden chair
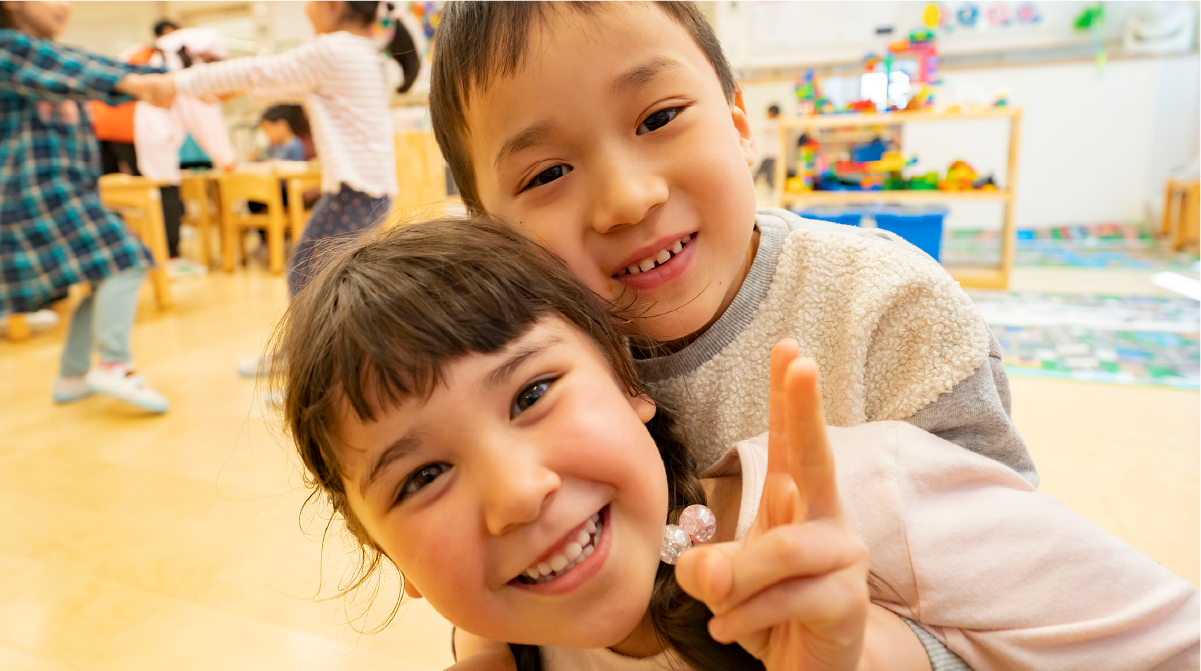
x,y
18,327
260,187
298,214
139,202
1181,212
199,211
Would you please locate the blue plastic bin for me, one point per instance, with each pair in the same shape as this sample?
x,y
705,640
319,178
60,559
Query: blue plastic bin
x,y
921,226
848,216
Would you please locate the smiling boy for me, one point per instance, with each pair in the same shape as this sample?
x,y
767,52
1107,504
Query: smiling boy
x,y
615,135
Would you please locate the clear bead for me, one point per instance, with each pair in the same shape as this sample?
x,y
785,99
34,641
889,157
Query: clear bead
x,y
675,542
698,522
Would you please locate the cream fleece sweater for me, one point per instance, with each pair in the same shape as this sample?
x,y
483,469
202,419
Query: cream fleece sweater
x,y
895,338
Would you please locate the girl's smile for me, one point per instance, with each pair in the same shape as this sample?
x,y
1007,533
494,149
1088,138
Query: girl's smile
x,y
572,562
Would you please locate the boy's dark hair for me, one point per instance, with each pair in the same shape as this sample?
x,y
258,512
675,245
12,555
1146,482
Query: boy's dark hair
x,y
478,42
293,114
162,25
381,323
402,47
774,109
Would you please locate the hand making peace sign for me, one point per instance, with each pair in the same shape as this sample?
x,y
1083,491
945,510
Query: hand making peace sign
x,y
794,591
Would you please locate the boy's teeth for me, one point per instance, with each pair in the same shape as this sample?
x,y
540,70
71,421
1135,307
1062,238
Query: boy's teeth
x,y
662,257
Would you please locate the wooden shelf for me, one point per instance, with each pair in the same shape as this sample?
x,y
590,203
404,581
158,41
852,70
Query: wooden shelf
x,y
840,197
893,118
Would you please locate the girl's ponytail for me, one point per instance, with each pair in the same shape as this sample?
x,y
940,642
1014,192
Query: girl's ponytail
x,y
400,46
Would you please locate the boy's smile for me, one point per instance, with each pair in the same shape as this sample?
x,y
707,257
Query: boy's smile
x,y
614,145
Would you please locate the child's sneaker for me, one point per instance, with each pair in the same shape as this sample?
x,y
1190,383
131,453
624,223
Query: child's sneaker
x,y
255,366
69,389
183,269
119,381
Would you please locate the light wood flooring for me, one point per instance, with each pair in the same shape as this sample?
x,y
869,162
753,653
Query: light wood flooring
x,y
133,542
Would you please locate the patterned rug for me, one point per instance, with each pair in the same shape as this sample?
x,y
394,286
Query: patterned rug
x,y
1135,340
1100,246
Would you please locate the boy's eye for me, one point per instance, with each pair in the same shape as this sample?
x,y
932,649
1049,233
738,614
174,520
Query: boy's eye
x,y
658,119
529,396
421,477
549,175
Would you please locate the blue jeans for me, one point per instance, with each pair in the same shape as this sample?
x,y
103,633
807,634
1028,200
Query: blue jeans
x,y
106,318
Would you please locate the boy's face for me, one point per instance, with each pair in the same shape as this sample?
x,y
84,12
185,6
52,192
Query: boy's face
x,y
615,146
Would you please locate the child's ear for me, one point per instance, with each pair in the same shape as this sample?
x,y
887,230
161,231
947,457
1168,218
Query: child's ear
x,y
746,137
411,589
644,407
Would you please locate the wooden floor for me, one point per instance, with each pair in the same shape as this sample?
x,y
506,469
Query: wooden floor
x,y
134,542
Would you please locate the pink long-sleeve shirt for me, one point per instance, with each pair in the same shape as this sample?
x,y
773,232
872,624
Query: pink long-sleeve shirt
x,y
1004,576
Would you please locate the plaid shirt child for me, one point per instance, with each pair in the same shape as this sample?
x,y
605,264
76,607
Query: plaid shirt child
x,y
53,230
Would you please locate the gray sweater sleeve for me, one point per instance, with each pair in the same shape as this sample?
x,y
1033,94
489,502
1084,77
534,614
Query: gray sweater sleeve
x,y
942,658
975,414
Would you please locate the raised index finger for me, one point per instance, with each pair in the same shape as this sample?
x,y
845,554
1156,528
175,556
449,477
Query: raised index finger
x,y
782,355
810,459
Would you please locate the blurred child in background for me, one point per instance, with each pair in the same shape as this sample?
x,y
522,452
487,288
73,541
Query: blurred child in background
x,y
53,230
345,82
276,124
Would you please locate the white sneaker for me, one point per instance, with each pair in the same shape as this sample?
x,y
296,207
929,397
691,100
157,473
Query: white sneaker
x,y
122,383
183,269
255,366
69,389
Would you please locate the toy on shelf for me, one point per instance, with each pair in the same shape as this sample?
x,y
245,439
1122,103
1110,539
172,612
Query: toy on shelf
x,y
807,159
960,176
1001,99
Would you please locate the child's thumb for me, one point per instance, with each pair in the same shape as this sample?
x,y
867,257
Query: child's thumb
x,y
707,574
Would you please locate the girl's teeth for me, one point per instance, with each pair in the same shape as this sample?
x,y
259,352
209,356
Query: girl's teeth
x,y
595,519
544,569
646,265
588,550
663,257
584,536
573,550
676,247
633,270
533,573
684,240
558,562
590,526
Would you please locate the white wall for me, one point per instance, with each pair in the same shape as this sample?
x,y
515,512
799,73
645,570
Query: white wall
x,y
1093,148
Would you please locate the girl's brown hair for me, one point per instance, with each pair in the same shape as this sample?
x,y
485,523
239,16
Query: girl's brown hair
x,y
383,320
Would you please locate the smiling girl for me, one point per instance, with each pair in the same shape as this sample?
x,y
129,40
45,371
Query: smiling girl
x,y
471,411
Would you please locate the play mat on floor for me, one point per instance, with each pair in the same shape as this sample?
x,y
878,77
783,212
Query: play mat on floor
x,y
1100,246
1137,340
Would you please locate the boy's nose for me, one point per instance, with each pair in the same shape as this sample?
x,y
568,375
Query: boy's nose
x,y
514,489
625,193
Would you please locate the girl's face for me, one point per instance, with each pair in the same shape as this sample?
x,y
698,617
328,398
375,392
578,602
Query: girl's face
x,y
39,19
509,466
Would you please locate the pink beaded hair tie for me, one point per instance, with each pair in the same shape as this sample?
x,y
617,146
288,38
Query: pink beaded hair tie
x,y
697,524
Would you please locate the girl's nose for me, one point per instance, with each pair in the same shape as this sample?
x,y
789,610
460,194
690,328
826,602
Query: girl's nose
x,y
625,192
514,489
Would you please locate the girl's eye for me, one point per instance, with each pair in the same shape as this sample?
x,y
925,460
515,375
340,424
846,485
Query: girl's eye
x,y
658,119
420,478
547,176
529,396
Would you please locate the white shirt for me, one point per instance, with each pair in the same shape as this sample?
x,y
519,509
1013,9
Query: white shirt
x,y
345,82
